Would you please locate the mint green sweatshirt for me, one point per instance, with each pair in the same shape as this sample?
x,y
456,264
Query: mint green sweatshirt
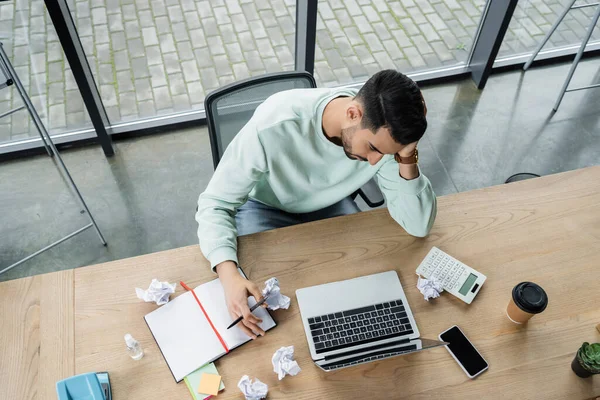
x,y
282,158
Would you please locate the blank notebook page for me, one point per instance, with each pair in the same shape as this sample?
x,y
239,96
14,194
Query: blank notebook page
x,y
184,335
212,297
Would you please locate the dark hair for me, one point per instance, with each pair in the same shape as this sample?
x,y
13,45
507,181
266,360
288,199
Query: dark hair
x,y
393,100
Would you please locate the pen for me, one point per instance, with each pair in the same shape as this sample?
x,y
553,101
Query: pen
x,y
254,307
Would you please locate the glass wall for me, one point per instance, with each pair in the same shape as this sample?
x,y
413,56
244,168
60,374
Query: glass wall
x,y
30,40
154,58
160,57
356,38
532,20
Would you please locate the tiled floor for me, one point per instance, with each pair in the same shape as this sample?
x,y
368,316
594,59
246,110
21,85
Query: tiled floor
x,y
144,197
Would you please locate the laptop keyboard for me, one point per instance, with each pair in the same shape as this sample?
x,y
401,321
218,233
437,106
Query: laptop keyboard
x,y
360,325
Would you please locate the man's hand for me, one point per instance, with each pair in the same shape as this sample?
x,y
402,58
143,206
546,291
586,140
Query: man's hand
x,y
408,171
237,290
408,150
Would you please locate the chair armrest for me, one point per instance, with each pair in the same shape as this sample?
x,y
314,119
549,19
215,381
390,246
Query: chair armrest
x,y
371,194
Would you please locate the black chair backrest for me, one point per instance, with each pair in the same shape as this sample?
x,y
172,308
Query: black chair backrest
x,y
229,108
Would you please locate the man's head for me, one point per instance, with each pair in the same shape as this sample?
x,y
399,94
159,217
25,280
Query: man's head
x,y
387,114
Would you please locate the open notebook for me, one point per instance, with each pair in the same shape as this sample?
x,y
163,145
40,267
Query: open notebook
x,y
184,334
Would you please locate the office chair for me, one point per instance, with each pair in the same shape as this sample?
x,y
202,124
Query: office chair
x,y
230,107
521,176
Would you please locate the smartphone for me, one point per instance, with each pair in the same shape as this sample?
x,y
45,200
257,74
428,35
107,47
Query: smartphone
x,y
464,352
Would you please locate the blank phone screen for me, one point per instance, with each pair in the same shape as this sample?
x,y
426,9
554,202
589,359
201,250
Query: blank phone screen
x,y
464,351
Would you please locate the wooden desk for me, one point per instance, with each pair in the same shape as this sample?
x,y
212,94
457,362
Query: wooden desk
x,y
545,230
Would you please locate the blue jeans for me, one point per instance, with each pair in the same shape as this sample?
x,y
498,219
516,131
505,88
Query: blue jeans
x,y
255,217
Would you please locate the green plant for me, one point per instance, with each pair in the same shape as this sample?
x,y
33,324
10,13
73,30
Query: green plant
x,y
589,357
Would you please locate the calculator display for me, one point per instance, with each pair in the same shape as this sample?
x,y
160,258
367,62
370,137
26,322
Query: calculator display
x,y
468,284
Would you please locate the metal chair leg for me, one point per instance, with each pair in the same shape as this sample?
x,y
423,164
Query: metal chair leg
x,y
578,57
550,32
6,66
48,140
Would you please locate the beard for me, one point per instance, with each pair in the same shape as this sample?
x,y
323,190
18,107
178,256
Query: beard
x,y
347,135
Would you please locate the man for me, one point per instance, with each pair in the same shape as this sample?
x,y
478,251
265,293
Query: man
x,y
299,158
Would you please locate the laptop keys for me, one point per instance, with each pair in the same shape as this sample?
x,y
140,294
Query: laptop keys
x,y
359,325
358,311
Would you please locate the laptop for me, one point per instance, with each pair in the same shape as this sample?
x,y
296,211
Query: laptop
x,y
359,320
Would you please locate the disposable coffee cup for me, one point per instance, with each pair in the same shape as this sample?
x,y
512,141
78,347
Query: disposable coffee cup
x,y
527,300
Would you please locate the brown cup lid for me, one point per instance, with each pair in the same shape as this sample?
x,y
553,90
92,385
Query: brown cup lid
x,y
530,297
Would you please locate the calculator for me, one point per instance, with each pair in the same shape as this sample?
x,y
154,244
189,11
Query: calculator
x,y
457,278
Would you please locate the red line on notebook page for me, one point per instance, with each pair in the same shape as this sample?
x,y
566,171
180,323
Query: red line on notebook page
x,y
186,287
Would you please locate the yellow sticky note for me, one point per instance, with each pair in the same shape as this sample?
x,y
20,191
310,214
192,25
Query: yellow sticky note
x,y
209,384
